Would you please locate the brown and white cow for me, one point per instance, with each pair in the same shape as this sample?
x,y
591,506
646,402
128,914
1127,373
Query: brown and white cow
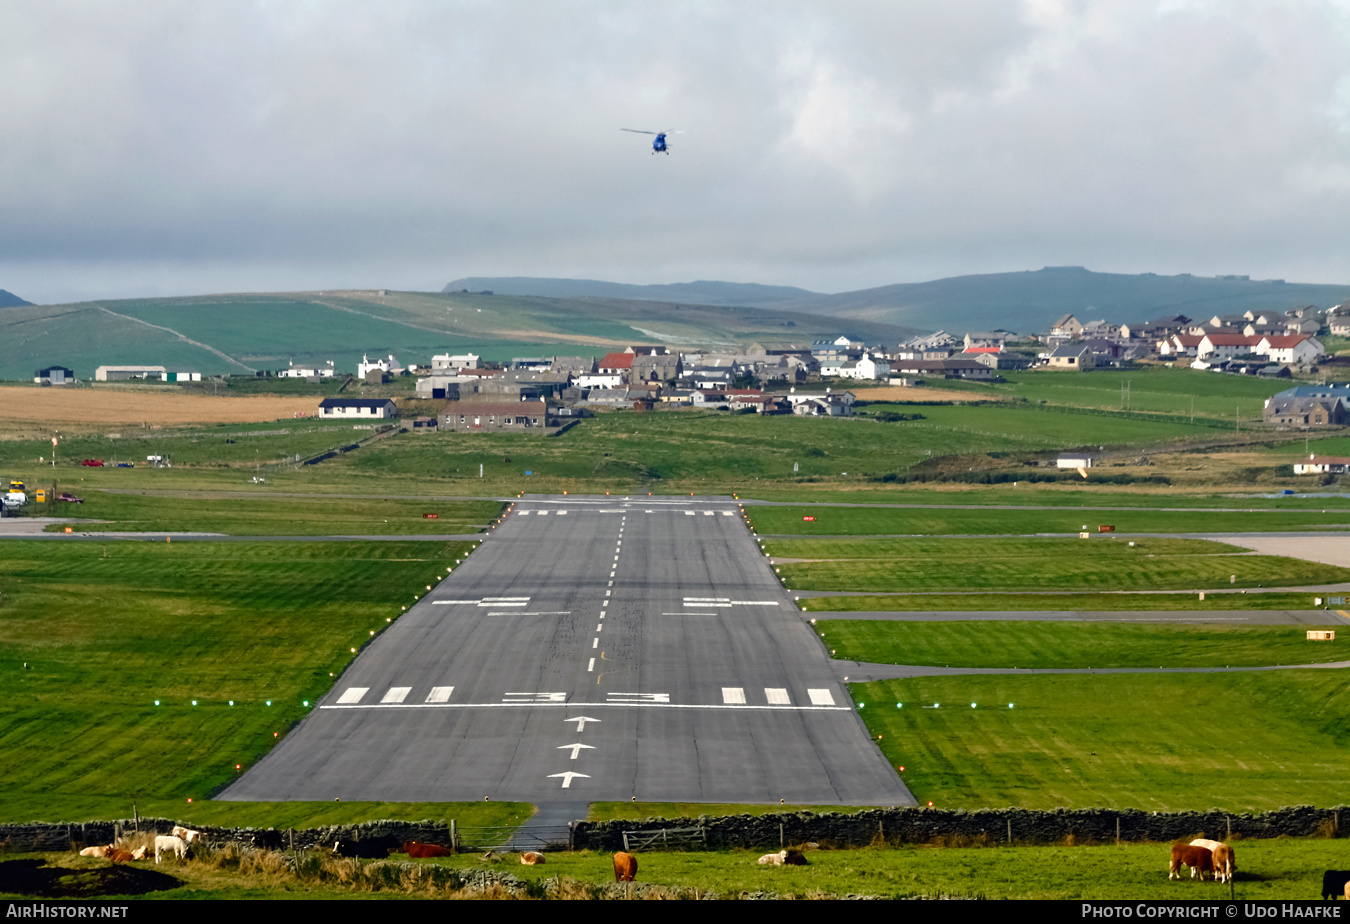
x,y
532,858
1225,858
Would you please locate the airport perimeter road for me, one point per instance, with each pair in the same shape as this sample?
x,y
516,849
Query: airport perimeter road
x,y
593,648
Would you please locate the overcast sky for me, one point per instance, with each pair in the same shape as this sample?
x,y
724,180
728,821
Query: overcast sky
x,y
168,148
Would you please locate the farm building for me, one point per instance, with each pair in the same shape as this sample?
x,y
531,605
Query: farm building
x,y
54,375
360,408
1322,465
1309,406
497,415
1074,460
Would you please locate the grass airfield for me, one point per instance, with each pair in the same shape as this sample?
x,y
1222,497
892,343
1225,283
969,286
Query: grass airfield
x,y
106,636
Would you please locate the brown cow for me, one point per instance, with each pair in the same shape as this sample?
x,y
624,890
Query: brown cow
x,y
120,856
1199,859
416,851
532,858
1225,858
625,867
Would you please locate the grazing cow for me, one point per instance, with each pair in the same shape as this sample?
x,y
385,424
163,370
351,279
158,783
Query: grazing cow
x,y
1335,882
416,851
532,858
187,834
1199,859
773,859
625,867
97,851
165,843
375,848
1225,858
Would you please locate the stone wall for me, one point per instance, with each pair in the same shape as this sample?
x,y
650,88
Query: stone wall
x,y
895,826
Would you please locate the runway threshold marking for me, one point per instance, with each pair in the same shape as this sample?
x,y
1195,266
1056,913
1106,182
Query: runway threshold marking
x,y
440,694
395,694
353,695
620,703
777,696
821,697
733,695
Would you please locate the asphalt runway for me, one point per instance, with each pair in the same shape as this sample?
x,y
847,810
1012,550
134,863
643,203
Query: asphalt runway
x,y
592,649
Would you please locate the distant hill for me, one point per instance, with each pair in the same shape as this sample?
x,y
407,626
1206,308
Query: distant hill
x,y
733,294
243,333
10,300
1032,301
1025,302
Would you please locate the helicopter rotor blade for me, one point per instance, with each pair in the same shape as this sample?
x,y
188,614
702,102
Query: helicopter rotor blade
x,y
638,131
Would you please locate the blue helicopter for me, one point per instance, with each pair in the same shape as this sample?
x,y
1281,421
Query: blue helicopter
x,y
660,143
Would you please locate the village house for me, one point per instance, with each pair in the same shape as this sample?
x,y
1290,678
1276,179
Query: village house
x,y
357,408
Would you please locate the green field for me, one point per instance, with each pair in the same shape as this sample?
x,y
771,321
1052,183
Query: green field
x,y
1240,742
1267,870
1018,520
144,672
1039,645
1061,601
281,514
1180,393
669,450
932,565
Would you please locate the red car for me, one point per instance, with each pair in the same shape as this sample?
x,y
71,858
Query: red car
x,y
93,463
70,498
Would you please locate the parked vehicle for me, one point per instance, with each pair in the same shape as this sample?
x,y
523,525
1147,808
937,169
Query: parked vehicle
x,y
93,463
70,498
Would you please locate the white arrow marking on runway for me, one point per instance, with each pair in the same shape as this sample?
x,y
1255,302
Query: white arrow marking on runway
x,y
576,748
567,777
581,721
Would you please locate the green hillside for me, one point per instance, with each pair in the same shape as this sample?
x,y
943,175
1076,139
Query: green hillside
x,y
241,333
1032,301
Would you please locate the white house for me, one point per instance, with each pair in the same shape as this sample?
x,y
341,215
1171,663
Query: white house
x,y
1291,349
359,408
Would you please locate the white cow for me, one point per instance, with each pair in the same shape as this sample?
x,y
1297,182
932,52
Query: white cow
x,y
170,842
